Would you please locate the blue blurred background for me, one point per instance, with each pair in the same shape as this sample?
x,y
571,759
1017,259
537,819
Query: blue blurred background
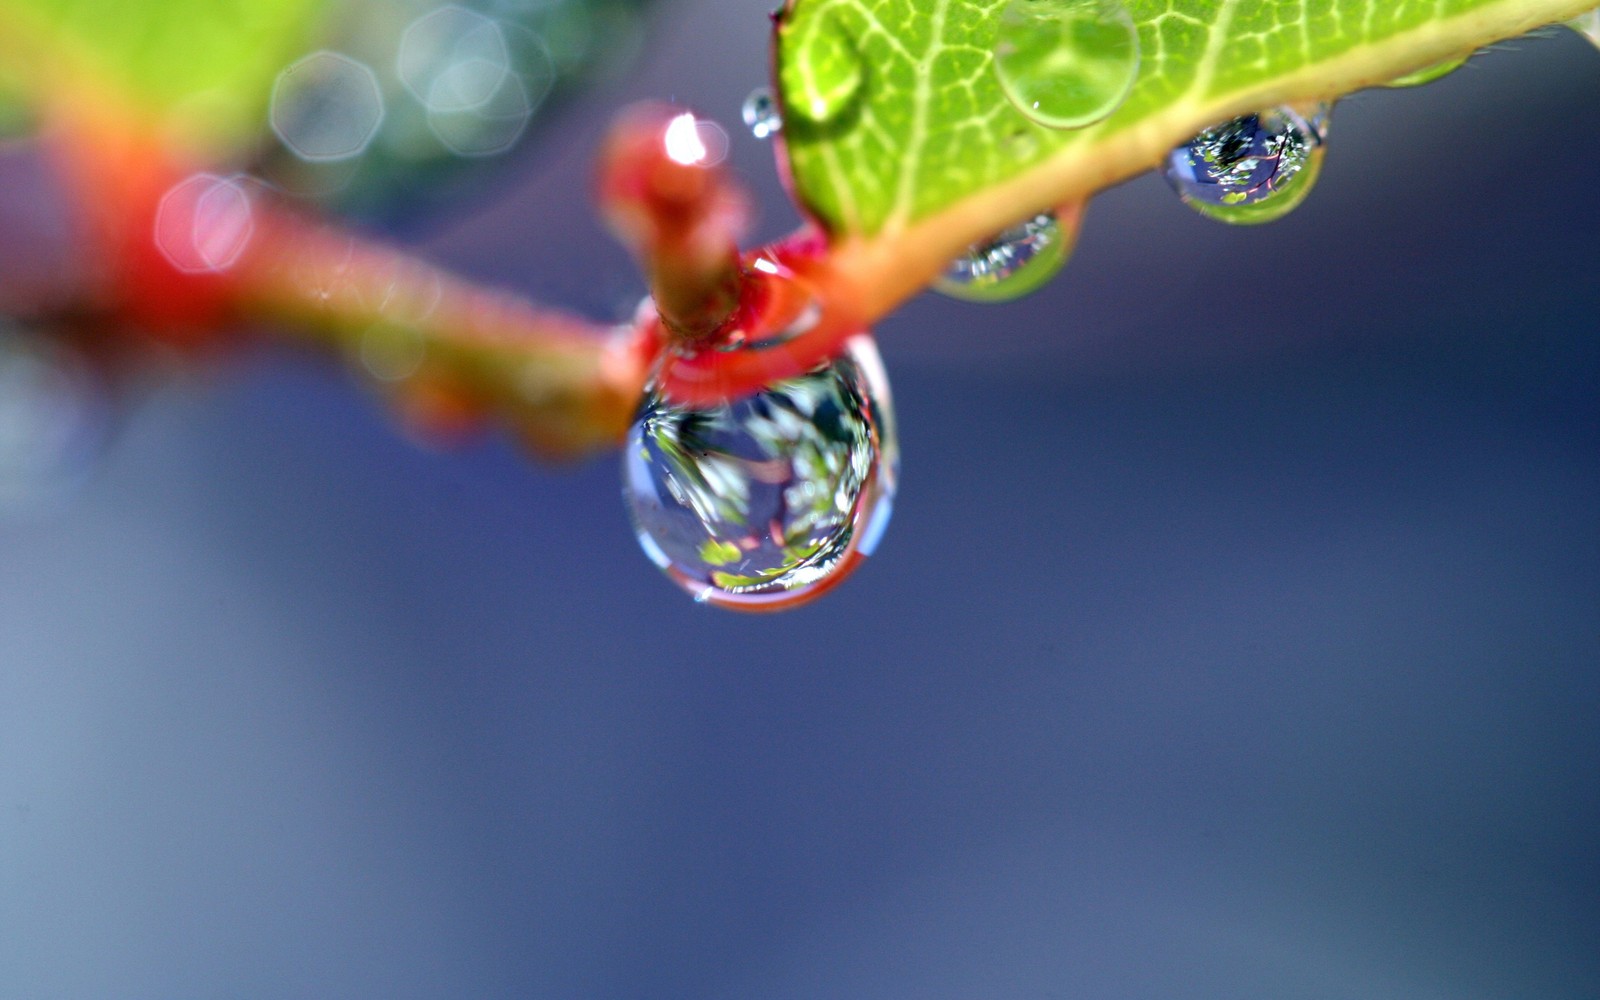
x,y
1236,635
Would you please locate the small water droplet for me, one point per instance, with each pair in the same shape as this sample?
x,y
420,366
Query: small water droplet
x,y
824,71
1428,74
766,501
1020,145
761,115
54,418
1066,63
1587,25
1013,263
1252,169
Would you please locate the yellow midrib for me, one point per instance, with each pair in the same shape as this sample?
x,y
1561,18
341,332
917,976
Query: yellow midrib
x,y
888,267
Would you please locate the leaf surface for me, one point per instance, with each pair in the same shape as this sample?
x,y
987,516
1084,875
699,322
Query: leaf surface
x,y
925,123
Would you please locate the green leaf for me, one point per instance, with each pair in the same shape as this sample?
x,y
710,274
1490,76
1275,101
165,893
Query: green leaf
x,y
209,62
924,123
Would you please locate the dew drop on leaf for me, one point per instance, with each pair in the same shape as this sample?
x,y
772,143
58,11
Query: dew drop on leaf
x,y
825,72
761,115
1013,262
54,418
1066,63
1428,74
1252,169
764,502
1587,25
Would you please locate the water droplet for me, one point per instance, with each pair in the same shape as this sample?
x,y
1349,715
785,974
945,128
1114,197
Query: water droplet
x,y
1428,74
53,418
766,501
1066,63
824,72
1013,263
1587,25
1021,144
1253,169
761,115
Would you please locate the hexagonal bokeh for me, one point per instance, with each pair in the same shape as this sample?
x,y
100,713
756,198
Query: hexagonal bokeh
x,y
326,107
204,223
479,81
452,59
461,82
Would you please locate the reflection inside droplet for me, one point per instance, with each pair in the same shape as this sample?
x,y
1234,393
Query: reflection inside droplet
x,y
1014,262
1066,63
765,501
1252,169
823,72
1428,74
760,113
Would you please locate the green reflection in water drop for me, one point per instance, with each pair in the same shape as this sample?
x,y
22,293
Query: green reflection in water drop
x,y
824,73
1428,74
1013,263
1066,63
1253,169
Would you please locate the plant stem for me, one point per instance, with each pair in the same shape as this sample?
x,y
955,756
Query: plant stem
x,y
186,257
565,385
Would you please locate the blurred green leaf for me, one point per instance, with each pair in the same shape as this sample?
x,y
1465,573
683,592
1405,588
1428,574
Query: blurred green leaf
x,y
209,62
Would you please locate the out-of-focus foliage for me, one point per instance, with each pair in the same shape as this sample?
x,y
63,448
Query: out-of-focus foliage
x,y
210,63
458,84
366,103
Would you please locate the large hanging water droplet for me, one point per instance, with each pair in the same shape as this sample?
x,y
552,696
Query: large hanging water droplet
x,y
1066,63
765,501
1014,262
1428,74
823,71
1587,25
1253,169
761,115
53,418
